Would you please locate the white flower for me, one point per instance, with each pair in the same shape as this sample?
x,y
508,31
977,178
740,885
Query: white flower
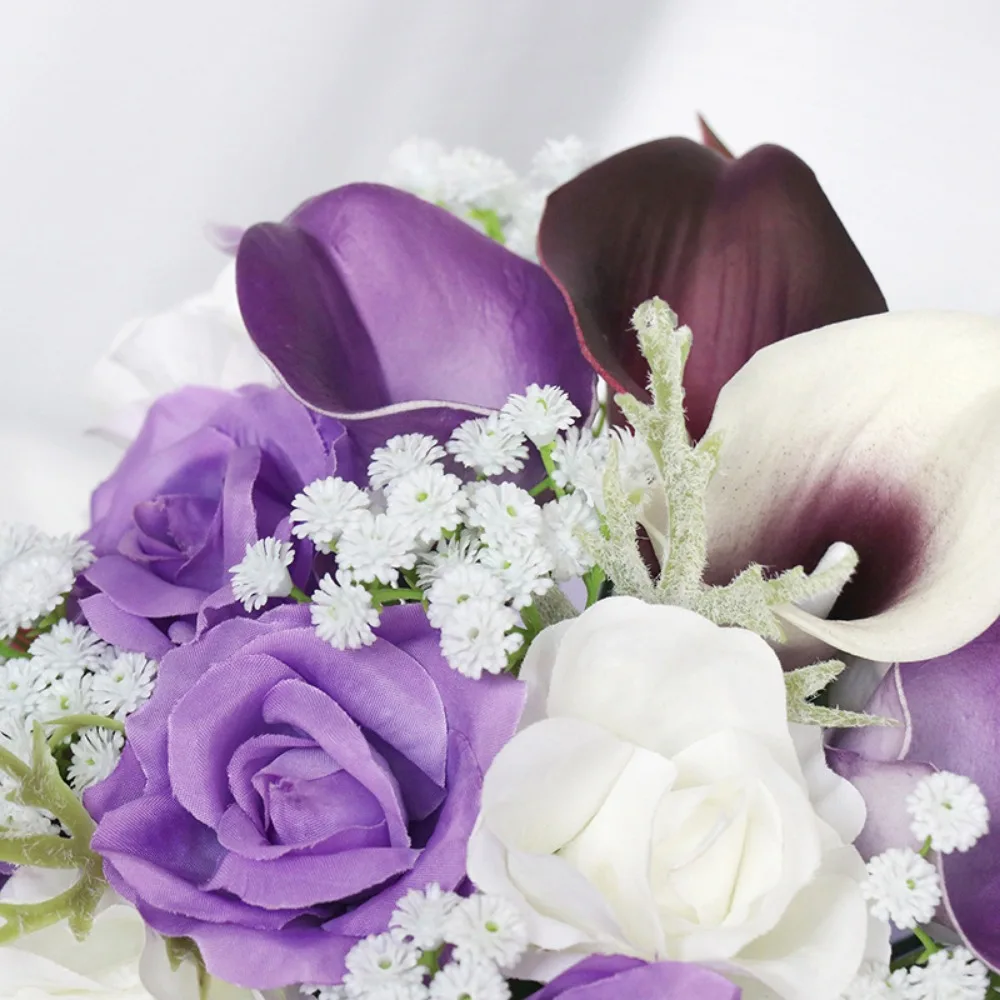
x,y
580,460
342,612
447,554
636,465
427,502
524,568
400,455
560,160
469,980
954,975
123,684
488,445
66,695
950,809
32,585
202,341
487,928
655,804
540,413
22,688
872,983
94,757
120,959
17,820
324,508
421,914
457,584
902,887
563,519
474,637
376,547
67,648
385,966
16,540
505,513
263,573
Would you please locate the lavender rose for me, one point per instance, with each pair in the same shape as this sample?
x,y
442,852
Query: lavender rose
x,y
612,977
276,797
210,472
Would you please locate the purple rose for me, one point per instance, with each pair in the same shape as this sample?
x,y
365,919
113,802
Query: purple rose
x,y
948,711
615,977
210,472
276,797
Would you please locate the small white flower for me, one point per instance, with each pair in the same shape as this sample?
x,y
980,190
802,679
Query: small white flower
x,y
324,508
950,809
469,980
427,502
400,455
385,966
902,887
263,573
22,688
580,460
563,519
376,547
457,584
32,585
94,757
872,983
505,513
16,540
474,637
123,683
343,614
560,160
69,694
18,820
524,568
489,446
16,736
474,179
540,413
636,465
67,648
954,975
458,551
420,916
76,551
487,928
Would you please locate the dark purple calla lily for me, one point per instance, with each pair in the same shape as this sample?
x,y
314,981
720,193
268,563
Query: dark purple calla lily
x,y
747,251
396,316
949,714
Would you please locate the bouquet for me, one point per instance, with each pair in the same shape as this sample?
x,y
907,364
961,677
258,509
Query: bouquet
x,y
458,625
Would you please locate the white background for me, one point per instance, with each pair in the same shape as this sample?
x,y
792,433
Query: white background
x,y
127,126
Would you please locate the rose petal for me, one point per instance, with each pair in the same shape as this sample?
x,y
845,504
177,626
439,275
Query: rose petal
x,y
883,433
746,251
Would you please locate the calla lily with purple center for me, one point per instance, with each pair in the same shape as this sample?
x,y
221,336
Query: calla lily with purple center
x,y
396,317
948,710
747,251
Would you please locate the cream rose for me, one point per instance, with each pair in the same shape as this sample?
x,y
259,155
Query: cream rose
x,y
656,803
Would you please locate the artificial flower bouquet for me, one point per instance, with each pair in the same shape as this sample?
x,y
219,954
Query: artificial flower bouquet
x,y
503,635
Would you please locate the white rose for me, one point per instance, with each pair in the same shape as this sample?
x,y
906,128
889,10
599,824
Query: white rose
x,y
121,959
655,803
203,341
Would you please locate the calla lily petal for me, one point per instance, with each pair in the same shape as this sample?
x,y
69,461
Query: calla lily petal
x,y
373,305
884,433
951,710
746,251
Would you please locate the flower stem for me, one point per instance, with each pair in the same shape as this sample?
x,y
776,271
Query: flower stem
x,y
550,467
925,848
930,946
392,594
594,579
602,416
10,652
69,724
300,595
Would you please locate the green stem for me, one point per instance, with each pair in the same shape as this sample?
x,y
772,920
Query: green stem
x,y
925,848
545,484
594,580
388,594
601,418
69,724
10,652
930,946
300,595
550,467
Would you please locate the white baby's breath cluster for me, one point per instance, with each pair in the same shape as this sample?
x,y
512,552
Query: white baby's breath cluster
x,y
477,554
948,813
36,572
483,190
439,946
80,690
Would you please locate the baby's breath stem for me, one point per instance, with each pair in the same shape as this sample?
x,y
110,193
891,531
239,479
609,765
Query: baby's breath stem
x,y
550,467
930,946
300,595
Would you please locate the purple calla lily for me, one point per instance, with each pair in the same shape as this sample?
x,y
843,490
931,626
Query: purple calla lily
x,y
747,251
395,316
949,715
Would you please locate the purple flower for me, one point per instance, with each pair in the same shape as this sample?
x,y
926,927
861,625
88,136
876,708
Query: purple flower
x,y
614,977
747,251
373,304
210,472
276,797
949,715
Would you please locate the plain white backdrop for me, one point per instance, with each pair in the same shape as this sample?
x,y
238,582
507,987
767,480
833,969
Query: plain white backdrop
x,y
127,127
